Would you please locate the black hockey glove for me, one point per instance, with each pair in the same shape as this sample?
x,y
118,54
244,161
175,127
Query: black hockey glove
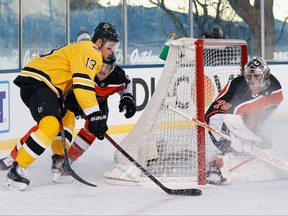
x,y
127,103
97,124
72,104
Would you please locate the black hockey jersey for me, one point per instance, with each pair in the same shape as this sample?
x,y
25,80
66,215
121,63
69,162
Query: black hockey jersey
x,y
116,81
236,98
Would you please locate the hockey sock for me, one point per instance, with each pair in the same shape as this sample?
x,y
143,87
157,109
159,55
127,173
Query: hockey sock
x,y
81,143
15,150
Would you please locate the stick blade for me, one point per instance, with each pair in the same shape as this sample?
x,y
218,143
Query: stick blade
x,y
185,192
71,172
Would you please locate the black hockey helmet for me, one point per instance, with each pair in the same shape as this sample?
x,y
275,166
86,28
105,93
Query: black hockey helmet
x,y
105,31
110,60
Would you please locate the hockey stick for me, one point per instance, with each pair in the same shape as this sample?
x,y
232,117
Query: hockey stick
x,y
258,152
248,160
181,192
67,167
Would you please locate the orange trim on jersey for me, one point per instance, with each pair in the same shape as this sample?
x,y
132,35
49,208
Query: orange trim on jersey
x,y
224,90
103,93
261,101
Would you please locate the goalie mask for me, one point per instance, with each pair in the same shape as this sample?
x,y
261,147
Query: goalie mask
x,y
257,74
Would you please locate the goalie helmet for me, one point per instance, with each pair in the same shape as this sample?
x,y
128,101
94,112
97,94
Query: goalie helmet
x,y
105,31
257,74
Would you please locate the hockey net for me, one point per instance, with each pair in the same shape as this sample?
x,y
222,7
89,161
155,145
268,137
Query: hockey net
x,y
169,146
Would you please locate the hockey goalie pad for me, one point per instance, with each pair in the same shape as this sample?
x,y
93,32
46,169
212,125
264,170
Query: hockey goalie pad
x,y
246,168
241,137
236,125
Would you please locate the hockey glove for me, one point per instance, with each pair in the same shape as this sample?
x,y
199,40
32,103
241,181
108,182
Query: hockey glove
x,y
127,103
72,104
97,124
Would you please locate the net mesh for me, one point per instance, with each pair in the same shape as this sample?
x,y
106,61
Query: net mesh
x,y
162,141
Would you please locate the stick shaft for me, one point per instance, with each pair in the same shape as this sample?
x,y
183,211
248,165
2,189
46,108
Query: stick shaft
x,y
183,192
68,168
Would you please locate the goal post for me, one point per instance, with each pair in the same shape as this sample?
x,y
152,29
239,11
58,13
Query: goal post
x,y
169,146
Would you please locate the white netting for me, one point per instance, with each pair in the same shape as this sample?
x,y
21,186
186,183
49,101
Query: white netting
x,y
162,141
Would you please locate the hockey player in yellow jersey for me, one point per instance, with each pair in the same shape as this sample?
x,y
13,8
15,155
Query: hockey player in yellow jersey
x,y
45,80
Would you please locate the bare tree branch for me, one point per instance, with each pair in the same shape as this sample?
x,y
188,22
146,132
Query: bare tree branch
x,y
281,31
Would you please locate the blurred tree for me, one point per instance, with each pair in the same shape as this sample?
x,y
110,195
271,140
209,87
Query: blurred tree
x,y
205,21
83,5
171,13
251,15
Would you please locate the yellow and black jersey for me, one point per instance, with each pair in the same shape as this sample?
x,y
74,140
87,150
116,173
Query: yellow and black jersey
x,y
74,65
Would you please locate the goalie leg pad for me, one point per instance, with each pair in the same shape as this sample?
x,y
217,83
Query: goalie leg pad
x,y
236,125
240,145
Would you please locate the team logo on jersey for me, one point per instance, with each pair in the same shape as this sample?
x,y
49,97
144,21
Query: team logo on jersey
x,y
4,106
40,109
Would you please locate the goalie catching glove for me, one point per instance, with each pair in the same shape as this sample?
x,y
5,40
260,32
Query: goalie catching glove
x,y
97,124
127,103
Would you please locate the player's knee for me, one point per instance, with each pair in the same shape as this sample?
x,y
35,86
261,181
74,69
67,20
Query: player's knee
x,y
49,125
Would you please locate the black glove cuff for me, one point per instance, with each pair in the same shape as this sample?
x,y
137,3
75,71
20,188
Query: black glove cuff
x,y
127,96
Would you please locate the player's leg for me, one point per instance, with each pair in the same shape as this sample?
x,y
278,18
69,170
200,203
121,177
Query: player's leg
x,y
6,163
84,138
81,143
44,107
58,163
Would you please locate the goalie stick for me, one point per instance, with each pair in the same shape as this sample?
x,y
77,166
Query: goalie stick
x,y
67,167
258,152
181,192
244,162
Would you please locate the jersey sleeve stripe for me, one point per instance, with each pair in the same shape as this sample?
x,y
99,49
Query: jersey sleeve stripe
x,y
80,75
81,86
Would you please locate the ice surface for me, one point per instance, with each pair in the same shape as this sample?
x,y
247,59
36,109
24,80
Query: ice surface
x,y
43,197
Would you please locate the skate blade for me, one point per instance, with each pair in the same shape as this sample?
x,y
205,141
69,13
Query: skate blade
x,y
62,179
15,186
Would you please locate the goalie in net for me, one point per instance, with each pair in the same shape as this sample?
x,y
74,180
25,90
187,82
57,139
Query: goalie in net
x,y
254,96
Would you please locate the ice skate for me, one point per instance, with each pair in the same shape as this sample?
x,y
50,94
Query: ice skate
x,y
17,178
214,175
59,171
